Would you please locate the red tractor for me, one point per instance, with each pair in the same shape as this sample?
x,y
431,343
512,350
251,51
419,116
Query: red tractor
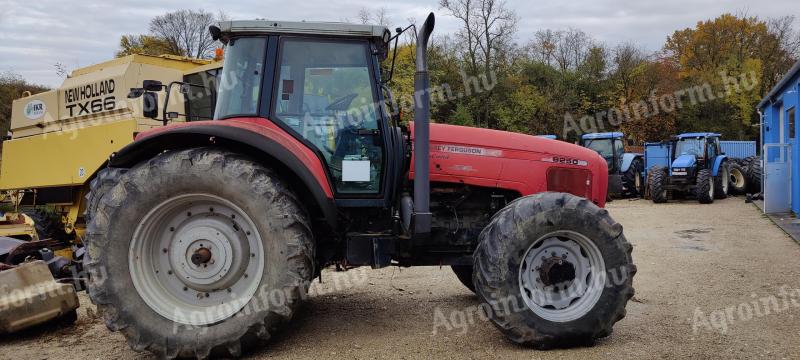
x,y
203,237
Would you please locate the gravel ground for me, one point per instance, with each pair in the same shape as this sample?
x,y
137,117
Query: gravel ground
x,y
694,262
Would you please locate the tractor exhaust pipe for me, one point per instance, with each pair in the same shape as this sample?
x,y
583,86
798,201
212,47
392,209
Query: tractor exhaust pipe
x,y
421,219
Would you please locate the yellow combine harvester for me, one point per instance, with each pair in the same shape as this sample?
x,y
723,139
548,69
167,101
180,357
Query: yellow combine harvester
x,y
59,139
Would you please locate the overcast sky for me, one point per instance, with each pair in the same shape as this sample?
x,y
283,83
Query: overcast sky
x,y
36,34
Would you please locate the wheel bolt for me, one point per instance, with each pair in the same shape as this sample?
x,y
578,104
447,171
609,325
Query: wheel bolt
x,y
185,288
169,272
189,213
164,250
171,229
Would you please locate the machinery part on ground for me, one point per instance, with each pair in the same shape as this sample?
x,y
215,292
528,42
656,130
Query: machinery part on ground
x,y
18,225
738,182
632,178
34,297
657,177
721,181
571,285
48,225
464,274
224,253
705,191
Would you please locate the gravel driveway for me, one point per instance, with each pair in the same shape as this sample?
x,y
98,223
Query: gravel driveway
x,y
714,281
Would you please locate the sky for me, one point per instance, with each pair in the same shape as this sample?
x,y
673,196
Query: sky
x,y
37,34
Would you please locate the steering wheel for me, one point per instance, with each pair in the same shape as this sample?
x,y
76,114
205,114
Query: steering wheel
x,y
342,103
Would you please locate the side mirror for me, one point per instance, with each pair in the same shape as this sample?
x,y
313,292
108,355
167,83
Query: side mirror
x,y
152,85
150,105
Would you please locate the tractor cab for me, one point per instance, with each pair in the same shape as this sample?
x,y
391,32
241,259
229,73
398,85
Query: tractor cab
x,y
609,145
692,151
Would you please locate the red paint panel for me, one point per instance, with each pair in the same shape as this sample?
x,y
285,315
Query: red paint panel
x,y
492,158
269,130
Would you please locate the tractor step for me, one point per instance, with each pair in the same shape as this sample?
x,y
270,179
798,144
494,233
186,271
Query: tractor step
x,y
375,250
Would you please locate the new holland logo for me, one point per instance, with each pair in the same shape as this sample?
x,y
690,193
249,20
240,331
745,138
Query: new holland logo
x,y
35,109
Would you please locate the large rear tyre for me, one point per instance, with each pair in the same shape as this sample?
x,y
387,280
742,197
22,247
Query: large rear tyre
x,y
657,181
98,187
705,186
198,253
721,182
633,178
553,270
464,275
738,181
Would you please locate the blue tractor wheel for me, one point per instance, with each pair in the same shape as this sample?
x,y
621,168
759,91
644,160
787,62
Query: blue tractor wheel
x,y
705,186
657,181
721,182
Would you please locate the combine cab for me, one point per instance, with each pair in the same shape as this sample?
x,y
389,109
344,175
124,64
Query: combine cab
x,y
625,170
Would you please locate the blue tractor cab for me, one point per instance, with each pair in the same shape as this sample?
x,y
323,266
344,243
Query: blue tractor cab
x,y
696,164
625,170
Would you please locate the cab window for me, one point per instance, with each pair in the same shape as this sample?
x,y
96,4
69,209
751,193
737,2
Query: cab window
x,y
325,94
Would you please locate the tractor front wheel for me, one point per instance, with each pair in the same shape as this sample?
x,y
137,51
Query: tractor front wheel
x,y
198,253
553,270
705,186
633,178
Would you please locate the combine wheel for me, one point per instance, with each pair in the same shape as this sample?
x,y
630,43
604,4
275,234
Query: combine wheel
x,y
705,186
198,253
553,270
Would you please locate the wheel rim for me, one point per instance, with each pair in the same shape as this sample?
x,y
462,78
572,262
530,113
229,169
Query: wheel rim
x,y
196,259
637,182
711,188
737,178
544,276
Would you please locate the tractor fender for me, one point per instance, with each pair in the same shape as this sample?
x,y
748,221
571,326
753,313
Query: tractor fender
x,y
627,160
264,143
717,163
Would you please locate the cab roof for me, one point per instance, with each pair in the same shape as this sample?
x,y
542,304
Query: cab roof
x,y
305,28
605,135
698,134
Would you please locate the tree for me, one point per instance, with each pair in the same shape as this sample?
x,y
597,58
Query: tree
x,y
186,32
487,33
146,45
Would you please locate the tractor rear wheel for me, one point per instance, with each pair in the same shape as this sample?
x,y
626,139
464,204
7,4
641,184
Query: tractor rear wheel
x,y
738,181
633,178
464,275
553,270
98,187
705,186
657,181
198,253
721,181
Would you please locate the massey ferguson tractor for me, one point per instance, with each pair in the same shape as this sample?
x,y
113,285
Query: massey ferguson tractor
x,y
694,163
203,237
625,170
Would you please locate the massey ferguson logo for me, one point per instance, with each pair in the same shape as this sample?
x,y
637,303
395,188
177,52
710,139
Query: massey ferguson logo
x,y
468,150
35,109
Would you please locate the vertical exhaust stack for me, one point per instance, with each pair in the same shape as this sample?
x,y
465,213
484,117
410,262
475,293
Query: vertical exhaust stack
x,y
421,218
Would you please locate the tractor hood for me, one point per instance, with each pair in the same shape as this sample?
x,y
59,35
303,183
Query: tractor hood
x,y
684,161
500,159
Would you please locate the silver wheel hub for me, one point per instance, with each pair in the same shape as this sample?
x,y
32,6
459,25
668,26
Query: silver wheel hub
x,y
562,276
196,259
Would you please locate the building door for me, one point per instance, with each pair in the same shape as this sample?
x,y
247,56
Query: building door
x,y
777,178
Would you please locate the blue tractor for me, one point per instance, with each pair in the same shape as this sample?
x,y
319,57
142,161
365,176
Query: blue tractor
x,y
694,164
625,170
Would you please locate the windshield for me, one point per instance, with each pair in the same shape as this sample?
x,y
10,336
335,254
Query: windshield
x,y
689,146
242,72
606,148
